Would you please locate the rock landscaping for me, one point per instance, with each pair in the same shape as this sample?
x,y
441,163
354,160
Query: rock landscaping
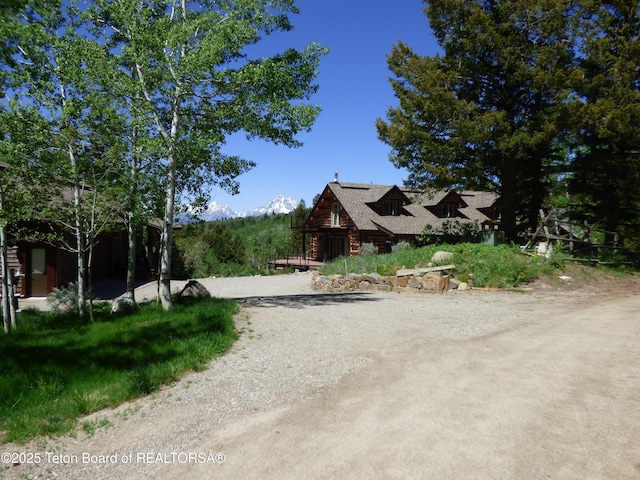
x,y
417,280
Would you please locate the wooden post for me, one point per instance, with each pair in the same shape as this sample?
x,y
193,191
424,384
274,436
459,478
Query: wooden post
x,y
540,229
571,238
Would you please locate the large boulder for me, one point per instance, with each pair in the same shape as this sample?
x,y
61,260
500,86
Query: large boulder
x,y
123,305
441,257
194,290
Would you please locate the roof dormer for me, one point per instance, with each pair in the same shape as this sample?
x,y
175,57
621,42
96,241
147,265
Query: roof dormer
x,y
391,203
448,206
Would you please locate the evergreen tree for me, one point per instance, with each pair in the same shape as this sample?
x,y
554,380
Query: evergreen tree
x,y
487,112
298,217
605,178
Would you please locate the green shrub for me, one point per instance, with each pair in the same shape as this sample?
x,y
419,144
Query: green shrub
x,y
400,246
235,247
64,299
367,249
205,251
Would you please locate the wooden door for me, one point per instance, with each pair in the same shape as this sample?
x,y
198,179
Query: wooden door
x,y
38,272
337,246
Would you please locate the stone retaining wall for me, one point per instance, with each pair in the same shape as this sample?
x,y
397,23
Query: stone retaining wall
x,y
417,281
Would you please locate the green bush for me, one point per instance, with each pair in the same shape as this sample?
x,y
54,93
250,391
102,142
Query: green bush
x,y
400,246
64,299
209,250
367,249
240,246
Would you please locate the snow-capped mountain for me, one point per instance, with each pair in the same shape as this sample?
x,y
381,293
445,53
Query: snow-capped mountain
x,y
280,204
214,211
220,211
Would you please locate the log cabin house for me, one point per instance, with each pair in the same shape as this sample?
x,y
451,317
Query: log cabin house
x,y
346,215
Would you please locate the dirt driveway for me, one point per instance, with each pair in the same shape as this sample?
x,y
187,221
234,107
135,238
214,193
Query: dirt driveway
x,y
556,397
485,385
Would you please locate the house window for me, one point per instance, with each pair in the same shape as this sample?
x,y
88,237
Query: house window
x,y
390,208
335,215
448,210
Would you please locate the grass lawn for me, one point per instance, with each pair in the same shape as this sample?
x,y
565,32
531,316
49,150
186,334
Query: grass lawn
x,y
56,368
502,266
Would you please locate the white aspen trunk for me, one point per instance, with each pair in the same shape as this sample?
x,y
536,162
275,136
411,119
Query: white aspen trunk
x,y
89,273
166,242
131,231
12,299
164,286
131,258
82,273
6,301
78,228
6,291
90,235
80,237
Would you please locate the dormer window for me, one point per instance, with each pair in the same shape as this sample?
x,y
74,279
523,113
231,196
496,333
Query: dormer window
x,y
391,207
448,210
335,215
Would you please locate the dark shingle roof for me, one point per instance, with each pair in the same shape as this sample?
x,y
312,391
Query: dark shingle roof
x,y
356,200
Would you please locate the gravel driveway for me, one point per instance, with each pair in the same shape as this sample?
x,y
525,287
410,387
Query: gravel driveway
x,y
370,385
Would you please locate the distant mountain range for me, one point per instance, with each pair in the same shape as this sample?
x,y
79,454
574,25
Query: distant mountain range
x,y
219,211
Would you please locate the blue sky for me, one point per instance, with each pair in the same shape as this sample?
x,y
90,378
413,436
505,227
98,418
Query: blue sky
x,y
354,91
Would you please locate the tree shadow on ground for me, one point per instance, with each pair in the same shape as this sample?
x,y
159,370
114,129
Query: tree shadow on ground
x,y
300,301
110,289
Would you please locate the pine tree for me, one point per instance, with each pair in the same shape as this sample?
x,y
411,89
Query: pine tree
x,y
605,176
486,113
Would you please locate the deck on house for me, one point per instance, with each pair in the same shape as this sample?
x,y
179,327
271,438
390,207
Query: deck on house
x,y
299,263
